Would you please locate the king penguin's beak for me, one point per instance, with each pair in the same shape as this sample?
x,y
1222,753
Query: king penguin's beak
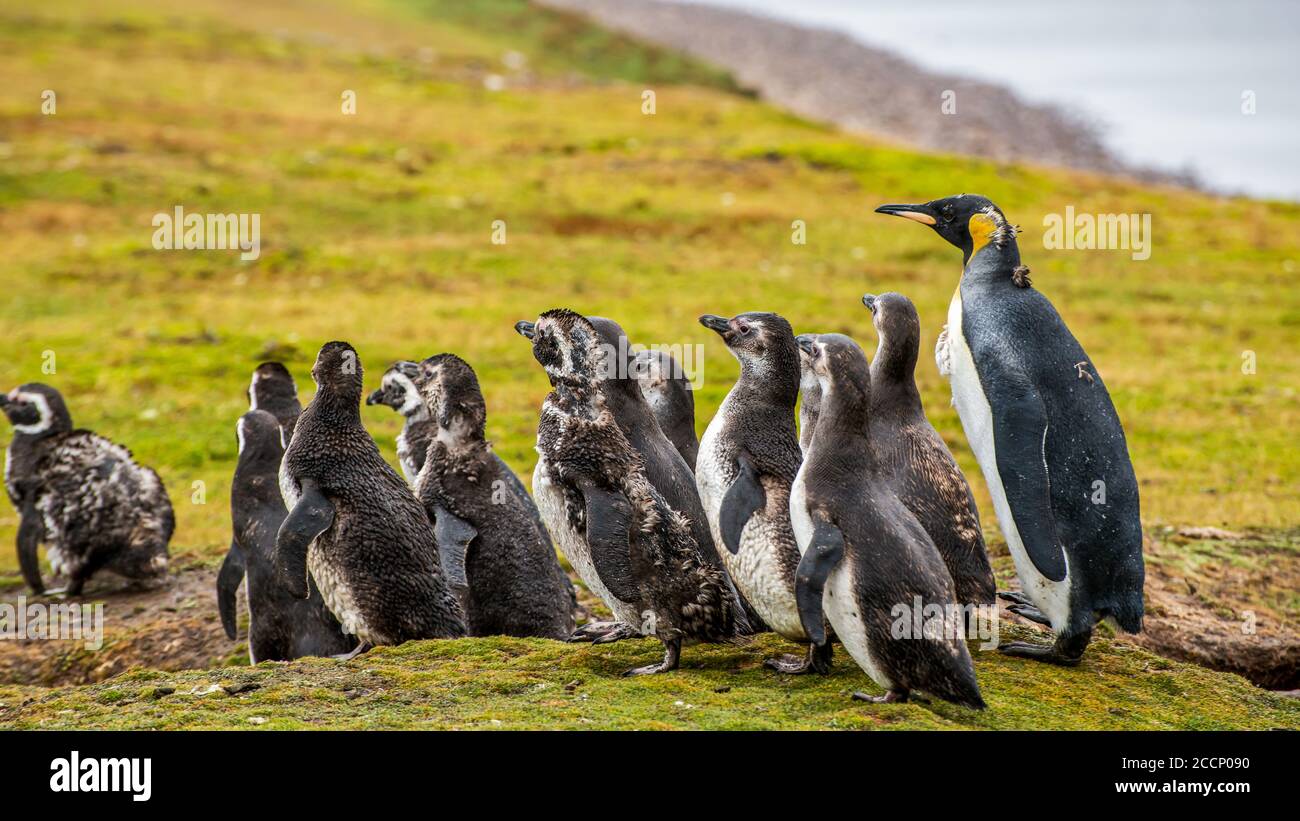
x,y
919,213
525,328
715,323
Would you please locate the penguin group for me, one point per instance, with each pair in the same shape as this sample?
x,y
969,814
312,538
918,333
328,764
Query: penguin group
x,y
818,501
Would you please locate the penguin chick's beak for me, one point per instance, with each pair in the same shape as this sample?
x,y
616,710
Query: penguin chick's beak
x,y
715,323
917,213
870,301
374,397
525,328
807,343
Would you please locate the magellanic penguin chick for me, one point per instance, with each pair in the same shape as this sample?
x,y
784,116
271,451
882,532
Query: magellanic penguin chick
x,y
748,459
281,626
1045,433
400,390
617,529
665,386
912,453
865,555
355,525
273,390
494,551
85,497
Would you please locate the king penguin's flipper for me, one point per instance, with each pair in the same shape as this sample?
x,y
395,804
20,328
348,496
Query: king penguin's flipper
x,y
745,496
311,517
823,554
1019,430
29,539
609,525
229,578
453,535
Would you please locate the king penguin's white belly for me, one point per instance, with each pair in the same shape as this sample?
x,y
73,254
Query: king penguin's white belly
x,y
757,570
550,504
1051,598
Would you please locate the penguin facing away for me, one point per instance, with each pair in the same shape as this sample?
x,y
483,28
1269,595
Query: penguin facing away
x,y
281,626
85,497
748,459
355,525
273,390
617,529
1045,433
493,548
664,385
926,477
865,554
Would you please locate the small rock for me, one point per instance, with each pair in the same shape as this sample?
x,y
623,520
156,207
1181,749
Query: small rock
x,y
235,688
256,720
160,692
573,685
722,689
1214,533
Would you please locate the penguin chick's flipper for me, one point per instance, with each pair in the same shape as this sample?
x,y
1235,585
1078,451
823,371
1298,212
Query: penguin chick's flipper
x,y
609,525
745,496
309,518
229,578
29,539
453,535
824,553
1019,428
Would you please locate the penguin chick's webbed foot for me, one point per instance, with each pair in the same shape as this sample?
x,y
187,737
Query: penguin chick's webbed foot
x,y
817,660
363,647
891,697
603,632
672,654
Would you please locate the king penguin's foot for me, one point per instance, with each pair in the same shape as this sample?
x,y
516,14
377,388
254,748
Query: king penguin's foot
x,y
891,697
1067,651
603,632
1028,611
672,655
817,660
363,647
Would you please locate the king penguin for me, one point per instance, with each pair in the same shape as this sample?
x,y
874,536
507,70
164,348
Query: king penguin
x,y
926,476
1045,433
748,459
355,525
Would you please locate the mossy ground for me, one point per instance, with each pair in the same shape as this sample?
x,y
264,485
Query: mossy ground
x,y
377,228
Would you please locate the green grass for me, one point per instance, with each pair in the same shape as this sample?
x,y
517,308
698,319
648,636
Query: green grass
x,y
503,683
377,228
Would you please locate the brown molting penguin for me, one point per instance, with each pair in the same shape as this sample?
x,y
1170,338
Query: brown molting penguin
x,y
595,491
85,497
925,475
493,548
355,525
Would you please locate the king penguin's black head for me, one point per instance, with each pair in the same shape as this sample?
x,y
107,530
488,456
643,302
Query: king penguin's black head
x,y
968,221
36,410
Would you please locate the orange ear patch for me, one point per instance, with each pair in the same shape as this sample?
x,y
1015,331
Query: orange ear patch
x,y
982,228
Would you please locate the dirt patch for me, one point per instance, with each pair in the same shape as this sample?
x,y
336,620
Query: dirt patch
x,y
1229,604
172,626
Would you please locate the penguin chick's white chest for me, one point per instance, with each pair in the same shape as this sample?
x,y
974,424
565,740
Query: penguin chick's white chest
x,y
550,504
1051,598
764,577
